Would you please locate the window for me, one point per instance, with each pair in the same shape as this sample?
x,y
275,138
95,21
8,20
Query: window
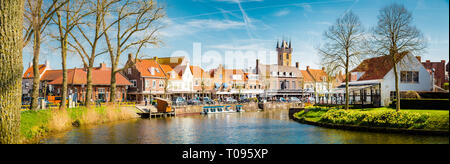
x,y
152,70
196,83
101,90
154,83
409,77
147,83
293,85
392,96
129,70
161,84
134,83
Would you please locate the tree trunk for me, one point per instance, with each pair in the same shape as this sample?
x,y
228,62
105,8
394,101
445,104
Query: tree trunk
x,y
36,75
347,79
64,88
88,96
11,22
397,89
113,86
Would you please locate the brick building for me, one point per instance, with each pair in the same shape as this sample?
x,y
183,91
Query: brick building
x,y
437,70
51,83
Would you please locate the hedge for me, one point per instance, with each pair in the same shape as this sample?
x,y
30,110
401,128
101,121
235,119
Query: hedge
x,y
441,104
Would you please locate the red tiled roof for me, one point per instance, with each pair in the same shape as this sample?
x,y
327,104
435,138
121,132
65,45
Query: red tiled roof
x,y
29,72
198,72
318,74
77,76
51,75
375,68
306,76
144,66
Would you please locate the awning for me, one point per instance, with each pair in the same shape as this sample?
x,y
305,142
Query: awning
x,y
217,85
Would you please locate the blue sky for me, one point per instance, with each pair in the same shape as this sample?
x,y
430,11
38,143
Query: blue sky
x,y
255,25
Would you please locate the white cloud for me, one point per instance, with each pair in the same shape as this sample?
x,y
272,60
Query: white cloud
x,y
197,25
306,7
283,12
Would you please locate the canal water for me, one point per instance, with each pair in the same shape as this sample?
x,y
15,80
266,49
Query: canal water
x,y
269,127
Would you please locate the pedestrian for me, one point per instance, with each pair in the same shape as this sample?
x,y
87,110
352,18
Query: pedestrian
x,y
145,100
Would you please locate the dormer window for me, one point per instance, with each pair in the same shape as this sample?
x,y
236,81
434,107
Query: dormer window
x,y
152,70
129,70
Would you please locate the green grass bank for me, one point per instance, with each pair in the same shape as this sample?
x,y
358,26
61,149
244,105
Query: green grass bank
x,y
37,124
433,120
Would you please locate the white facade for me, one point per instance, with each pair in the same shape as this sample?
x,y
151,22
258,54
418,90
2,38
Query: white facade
x,y
408,63
185,84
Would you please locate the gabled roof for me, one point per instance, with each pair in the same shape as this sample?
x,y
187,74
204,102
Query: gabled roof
x,y
198,72
376,68
77,76
144,66
29,73
318,75
306,76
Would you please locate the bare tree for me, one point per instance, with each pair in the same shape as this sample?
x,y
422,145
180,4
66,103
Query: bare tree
x,y
394,36
134,24
86,37
11,22
38,15
68,17
343,47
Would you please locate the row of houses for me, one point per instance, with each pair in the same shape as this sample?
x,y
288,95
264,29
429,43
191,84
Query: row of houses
x,y
176,77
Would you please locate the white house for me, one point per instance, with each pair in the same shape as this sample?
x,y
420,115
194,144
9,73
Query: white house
x,y
181,80
379,72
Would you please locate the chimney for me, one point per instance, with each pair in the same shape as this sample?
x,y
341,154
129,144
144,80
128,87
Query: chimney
x,y
257,66
427,61
130,57
30,64
297,65
443,61
323,68
419,58
47,63
307,67
102,66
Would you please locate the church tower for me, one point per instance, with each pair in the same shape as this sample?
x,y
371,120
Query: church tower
x,y
284,53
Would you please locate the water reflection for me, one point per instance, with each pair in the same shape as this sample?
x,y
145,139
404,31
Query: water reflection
x,y
270,127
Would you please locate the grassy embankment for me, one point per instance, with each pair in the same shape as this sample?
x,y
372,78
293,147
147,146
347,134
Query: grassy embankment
x,y
37,124
379,117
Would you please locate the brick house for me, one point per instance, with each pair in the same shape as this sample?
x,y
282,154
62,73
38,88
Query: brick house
x,y
147,78
76,80
27,79
438,73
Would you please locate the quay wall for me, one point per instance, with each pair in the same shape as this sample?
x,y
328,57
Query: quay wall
x,y
197,109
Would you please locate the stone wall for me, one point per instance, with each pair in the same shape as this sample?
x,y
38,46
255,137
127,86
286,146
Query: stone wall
x,y
251,107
